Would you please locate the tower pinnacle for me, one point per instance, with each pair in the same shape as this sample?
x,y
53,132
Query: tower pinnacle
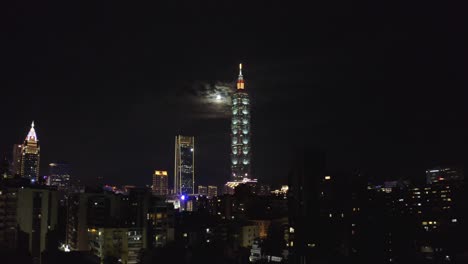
x,y
240,79
32,133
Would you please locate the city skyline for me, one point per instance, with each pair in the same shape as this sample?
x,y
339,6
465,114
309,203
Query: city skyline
x,y
371,87
233,132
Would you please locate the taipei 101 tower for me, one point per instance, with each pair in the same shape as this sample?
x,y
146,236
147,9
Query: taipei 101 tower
x,y
240,131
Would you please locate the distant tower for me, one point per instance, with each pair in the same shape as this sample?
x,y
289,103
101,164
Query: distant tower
x,y
16,159
30,156
160,183
184,171
59,175
202,190
240,131
212,191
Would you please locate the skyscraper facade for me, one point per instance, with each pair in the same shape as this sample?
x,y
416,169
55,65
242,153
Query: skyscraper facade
x,y
59,175
30,156
184,171
240,131
160,183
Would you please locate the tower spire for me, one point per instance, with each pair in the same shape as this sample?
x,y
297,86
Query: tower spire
x,y
32,133
240,79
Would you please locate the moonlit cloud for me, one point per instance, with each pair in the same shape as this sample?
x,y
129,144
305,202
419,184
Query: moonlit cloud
x,y
204,100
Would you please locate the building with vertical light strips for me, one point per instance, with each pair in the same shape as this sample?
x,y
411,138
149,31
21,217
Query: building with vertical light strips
x,y
184,171
240,131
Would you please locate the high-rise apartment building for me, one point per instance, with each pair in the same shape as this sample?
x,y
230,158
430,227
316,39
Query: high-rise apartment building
x,y
89,210
28,217
59,175
184,171
121,243
160,222
30,156
240,131
8,222
160,186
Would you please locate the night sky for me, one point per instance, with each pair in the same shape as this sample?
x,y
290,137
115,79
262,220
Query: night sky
x,y
381,87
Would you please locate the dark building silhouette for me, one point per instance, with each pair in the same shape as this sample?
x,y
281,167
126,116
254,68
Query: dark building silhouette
x,y
4,168
16,159
308,168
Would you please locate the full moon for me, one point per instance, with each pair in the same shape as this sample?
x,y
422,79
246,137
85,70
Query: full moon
x,y
218,97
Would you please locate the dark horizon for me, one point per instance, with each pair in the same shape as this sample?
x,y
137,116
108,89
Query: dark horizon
x,y
380,88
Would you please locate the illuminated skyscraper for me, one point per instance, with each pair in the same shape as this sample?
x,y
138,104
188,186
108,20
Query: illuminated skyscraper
x,y
184,171
160,183
240,131
30,156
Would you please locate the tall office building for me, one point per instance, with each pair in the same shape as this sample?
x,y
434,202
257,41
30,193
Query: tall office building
x,y
160,183
59,175
16,159
30,156
240,131
184,171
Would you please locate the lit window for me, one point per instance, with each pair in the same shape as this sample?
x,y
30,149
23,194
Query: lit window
x,y
327,177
